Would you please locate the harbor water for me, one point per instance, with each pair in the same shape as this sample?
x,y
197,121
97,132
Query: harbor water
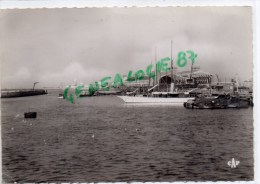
x,y
101,139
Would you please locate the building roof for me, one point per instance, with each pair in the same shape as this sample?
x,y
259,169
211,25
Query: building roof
x,y
201,74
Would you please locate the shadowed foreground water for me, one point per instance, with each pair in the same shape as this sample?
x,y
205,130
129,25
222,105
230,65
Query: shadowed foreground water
x,y
102,139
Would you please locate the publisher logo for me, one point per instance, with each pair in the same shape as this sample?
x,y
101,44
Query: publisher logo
x,y
233,163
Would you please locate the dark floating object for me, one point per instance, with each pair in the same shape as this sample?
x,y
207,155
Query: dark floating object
x,y
30,114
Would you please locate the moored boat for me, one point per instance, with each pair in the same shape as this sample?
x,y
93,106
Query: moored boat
x,y
158,97
60,95
216,102
142,99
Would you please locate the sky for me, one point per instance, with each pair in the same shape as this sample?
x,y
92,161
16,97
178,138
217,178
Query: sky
x,y
55,47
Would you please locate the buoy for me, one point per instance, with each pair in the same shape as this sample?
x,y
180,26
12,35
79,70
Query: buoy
x,y
30,114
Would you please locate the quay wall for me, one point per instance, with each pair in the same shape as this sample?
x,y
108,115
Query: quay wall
x,y
22,93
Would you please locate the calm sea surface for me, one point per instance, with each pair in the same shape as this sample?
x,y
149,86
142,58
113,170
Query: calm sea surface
x,y
102,139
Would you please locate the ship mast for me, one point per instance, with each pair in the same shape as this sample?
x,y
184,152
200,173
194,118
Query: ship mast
x,y
156,75
149,79
171,64
172,84
191,70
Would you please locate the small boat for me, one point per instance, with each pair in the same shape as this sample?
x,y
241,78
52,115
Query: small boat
x,y
216,102
60,95
85,95
30,114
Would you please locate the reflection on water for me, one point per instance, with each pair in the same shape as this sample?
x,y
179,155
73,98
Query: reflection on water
x,y
102,139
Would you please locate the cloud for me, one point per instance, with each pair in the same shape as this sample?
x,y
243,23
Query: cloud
x,y
60,45
73,72
22,75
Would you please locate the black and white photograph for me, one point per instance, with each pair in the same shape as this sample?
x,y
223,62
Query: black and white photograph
x,y
127,94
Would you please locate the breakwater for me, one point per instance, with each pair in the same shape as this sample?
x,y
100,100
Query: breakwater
x,y
22,93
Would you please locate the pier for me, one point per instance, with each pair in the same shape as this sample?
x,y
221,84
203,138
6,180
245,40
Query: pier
x,y
22,93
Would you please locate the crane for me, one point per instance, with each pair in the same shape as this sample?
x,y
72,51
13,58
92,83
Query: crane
x,y
217,77
34,84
